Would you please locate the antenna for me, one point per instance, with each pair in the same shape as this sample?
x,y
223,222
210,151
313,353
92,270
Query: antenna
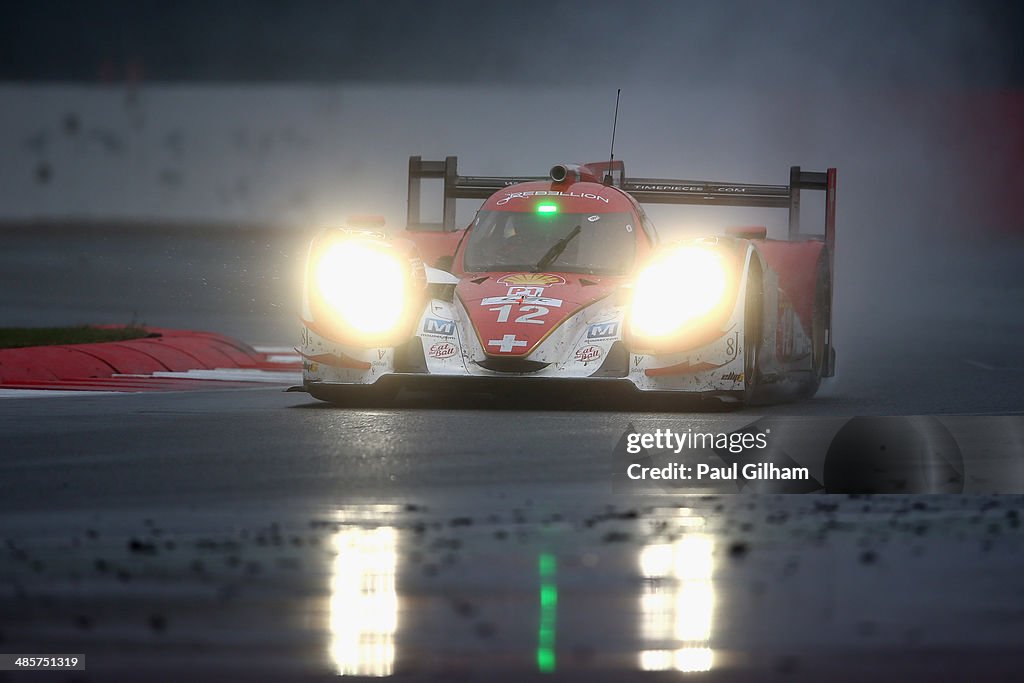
x,y
611,152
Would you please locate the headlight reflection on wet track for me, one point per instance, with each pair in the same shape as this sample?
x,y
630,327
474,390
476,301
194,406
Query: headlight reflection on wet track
x,y
677,603
363,601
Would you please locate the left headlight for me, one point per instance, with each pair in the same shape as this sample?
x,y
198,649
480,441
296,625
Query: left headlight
x,y
677,290
365,284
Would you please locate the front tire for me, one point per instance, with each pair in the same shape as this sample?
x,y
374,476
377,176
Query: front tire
x,y
753,315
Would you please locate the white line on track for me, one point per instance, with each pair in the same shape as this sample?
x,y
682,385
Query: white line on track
x,y
237,375
50,393
979,364
283,358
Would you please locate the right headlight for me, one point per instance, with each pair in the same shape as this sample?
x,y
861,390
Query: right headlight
x,y
678,290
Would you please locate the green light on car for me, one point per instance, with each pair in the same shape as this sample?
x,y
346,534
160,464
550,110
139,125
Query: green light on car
x,y
547,208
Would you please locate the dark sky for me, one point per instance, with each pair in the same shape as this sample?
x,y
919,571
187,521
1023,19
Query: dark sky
x,y
942,44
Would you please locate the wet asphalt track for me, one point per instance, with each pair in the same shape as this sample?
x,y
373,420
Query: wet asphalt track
x,y
263,535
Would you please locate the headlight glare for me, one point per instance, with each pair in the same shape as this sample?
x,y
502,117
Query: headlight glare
x,y
677,289
364,284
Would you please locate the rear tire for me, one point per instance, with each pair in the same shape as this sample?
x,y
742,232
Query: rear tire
x,y
752,332
821,320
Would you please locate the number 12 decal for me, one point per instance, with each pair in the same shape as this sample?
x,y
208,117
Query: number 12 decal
x,y
530,314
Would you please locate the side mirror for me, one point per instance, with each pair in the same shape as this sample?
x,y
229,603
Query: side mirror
x,y
440,277
444,262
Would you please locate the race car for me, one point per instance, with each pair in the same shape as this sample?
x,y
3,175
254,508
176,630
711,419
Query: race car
x,y
562,280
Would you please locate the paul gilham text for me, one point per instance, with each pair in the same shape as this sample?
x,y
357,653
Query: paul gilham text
x,y
763,471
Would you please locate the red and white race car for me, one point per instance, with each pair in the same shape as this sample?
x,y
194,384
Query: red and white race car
x,y
563,279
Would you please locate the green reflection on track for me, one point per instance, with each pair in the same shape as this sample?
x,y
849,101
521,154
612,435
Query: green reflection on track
x,y
547,566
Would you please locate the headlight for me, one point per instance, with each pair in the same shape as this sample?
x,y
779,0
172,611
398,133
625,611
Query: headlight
x,y
366,285
678,289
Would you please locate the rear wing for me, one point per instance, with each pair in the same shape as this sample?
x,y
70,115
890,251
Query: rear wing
x,y
644,190
706,193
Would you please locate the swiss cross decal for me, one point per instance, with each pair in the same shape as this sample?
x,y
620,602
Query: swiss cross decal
x,y
506,344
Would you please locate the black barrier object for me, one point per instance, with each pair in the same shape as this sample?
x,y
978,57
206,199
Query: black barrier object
x,y
894,455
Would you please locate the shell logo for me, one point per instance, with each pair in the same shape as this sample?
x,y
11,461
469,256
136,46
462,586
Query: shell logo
x,y
535,279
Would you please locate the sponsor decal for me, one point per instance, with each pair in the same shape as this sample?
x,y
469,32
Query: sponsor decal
x,y
524,291
733,377
520,299
588,353
731,189
442,350
550,193
506,344
380,353
536,279
603,330
638,361
437,326
670,188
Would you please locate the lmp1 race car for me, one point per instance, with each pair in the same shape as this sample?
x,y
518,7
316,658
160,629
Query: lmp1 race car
x,y
562,279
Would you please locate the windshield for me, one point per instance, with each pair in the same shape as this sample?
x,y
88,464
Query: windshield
x,y
507,240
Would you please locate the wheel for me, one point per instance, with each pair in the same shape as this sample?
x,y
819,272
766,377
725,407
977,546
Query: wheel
x,y
821,317
752,332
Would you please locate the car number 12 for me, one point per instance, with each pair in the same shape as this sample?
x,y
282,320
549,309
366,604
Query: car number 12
x,y
530,313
